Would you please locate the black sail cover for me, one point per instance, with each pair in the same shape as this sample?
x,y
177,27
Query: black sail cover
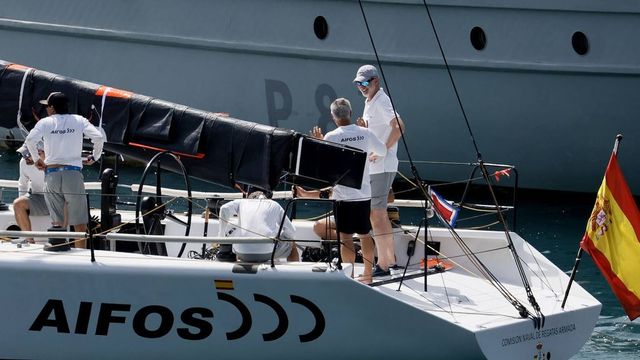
x,y
212,146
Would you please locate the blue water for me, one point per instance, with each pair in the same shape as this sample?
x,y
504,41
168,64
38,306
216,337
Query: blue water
x,y
552,222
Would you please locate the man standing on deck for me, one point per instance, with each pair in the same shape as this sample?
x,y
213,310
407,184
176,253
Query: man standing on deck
x,y
380,117
353,206
62,134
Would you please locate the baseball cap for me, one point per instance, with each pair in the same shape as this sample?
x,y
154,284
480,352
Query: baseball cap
x,y
55,98
24,151
366,72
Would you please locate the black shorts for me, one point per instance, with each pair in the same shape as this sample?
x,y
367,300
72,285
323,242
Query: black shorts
x,y
352,217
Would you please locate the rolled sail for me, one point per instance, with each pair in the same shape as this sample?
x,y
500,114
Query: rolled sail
x,y
214,147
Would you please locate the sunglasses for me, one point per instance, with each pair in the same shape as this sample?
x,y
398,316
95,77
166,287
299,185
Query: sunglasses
x,y
364,83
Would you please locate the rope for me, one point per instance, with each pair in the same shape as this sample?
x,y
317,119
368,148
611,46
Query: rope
x,y
21,126
539,319
525,282
453,83
544,280
393,106
112,229
104,99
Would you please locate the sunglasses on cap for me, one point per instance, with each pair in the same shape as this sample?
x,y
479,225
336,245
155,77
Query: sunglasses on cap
x,y
364,83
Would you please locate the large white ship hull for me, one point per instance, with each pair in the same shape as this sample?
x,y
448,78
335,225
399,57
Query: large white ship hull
x,y
531,100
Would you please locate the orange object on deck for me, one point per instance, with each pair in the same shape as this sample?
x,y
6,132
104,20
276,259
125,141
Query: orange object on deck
x,y
432,263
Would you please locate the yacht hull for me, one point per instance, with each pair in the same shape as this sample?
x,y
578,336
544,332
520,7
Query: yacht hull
x,y
164,308
133,305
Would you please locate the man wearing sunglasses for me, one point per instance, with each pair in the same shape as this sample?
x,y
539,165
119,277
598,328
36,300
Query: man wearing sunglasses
x,y
380,117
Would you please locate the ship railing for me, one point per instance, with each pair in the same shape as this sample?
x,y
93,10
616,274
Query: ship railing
x,y
498,170
478,207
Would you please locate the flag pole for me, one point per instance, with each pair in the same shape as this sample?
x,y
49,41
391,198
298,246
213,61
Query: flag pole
x,y
573,276
579,255
617,143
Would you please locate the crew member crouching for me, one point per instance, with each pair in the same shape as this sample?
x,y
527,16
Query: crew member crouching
x,y
258,216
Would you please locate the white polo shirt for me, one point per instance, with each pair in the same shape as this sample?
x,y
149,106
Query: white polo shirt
x,y
378,114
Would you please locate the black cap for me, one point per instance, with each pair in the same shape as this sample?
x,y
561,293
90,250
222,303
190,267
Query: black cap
x,y
55,99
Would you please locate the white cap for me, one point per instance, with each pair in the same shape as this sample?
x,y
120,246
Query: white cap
x,y
24,151
365,73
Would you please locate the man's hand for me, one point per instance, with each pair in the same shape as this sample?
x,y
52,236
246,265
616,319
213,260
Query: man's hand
x,y
360,122
40,164
88,161
373,157
316,132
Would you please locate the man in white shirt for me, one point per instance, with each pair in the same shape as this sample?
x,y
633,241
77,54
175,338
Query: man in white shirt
x,y
30,199
380,117
62,134
353,206
257,217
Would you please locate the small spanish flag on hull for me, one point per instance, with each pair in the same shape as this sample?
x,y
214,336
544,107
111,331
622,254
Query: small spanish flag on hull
x,y
223,284
612,238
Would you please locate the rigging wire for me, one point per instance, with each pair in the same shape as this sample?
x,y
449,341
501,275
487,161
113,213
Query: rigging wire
x,y
393,106
444,283
489,278
539,321
539,317
453,83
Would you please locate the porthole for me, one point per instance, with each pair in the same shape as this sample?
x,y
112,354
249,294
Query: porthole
x,y
580,43
320,27
478,38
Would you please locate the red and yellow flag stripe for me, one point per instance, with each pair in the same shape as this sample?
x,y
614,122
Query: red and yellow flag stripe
x,y
612,238
223,284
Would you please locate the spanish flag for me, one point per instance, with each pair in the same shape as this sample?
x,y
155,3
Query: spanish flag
x,y
612,238
223,284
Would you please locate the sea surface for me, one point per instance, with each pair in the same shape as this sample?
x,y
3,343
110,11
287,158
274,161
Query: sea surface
x,y
553,222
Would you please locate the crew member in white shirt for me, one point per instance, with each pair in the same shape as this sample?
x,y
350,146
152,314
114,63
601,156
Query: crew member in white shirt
x,y
353,206
30,199
62,134
258,217
380,117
